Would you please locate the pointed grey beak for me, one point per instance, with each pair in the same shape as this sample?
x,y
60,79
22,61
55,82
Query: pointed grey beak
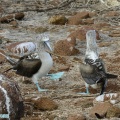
x,y
47,43
91,39
92,48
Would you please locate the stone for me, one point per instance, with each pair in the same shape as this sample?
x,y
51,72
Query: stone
x,y
44,103
113,112
11,99
100,108
65,48
14,23
81,33
19,16
58,20
40,29
83,14
76,117
11,17
77,19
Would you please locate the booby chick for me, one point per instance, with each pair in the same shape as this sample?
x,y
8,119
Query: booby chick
x,y
93,71
35,68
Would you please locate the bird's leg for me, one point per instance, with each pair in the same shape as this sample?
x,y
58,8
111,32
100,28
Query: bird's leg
x,y
87,90
104,84
35,80
40,89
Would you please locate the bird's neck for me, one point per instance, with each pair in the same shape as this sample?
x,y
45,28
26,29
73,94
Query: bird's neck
x,y
92,55
44,56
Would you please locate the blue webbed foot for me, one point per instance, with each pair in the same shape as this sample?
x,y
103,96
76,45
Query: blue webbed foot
x,y
55,76
40,89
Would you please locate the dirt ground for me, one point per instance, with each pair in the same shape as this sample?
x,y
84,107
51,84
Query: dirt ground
x,y
63,91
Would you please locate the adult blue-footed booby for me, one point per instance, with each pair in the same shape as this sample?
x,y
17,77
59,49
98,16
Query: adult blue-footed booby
x,y
93,71
35,68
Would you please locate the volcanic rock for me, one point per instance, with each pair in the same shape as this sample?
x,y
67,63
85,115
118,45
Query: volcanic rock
x,y
113,112
100,108
64,47
11,99
77,19
58,20
40,29
44,104
9,18
14,23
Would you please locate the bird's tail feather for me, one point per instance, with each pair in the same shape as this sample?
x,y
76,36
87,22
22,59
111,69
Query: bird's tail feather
x,y
111,76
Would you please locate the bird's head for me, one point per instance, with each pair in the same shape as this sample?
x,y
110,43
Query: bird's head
x,y
43,43
92,48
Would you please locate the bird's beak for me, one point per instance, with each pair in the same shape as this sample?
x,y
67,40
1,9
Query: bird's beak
x,y
47,44
92,48
91,39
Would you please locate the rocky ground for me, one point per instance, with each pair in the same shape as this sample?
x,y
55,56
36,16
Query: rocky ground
x,y
66,23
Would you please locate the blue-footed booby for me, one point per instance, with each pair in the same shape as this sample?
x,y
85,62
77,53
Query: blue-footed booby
x,y
34,68
93,71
